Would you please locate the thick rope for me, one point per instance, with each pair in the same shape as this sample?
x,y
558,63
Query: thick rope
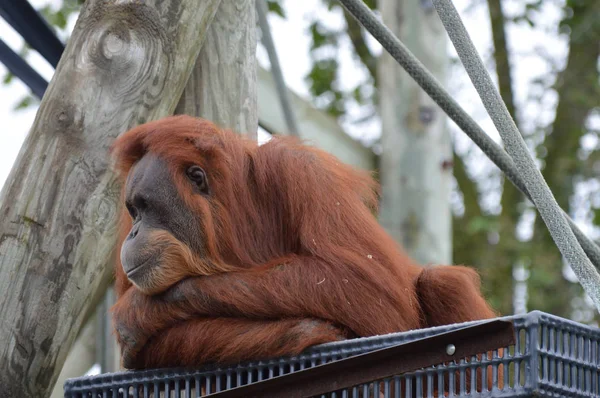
x,y
538,189
267,40
437,92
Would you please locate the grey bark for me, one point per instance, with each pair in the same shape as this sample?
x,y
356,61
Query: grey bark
x,y
416,160
126,63
222,86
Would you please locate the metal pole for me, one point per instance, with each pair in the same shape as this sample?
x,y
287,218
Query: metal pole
x,y
267,40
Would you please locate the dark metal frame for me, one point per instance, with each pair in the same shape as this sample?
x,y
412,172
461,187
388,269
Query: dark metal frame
x,y
550,357
21,69
34,29
38,34
382,363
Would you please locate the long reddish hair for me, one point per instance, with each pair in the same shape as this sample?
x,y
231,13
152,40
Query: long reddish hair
x,y
274,200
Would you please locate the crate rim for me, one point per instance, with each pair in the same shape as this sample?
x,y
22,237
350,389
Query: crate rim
x,y
521,321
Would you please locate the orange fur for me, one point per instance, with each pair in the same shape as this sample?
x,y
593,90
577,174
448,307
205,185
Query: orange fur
x,y
182,263
225,340
289,233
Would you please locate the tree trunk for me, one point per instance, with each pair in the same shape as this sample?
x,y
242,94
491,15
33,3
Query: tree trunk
x,y
416,163
222,86
126,63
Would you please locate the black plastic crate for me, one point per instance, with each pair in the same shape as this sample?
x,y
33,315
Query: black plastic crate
x,y
551,357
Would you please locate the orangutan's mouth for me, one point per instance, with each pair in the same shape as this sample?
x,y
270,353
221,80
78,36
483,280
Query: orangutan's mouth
x,y
133,272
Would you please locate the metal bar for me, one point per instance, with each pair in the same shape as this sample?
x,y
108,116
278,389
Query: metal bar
x,y
21,69
379,364
267,39
34,29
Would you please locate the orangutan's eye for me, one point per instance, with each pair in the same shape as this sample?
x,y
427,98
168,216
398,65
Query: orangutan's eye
x,y
197,175
133,213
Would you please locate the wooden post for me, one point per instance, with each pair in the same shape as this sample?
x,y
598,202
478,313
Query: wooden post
x,y
416,163
222,86
126,63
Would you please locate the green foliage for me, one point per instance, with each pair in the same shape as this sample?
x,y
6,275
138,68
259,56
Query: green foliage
x,y
531,8
482,224
596,215
24,103
55,18
323,75
323,78
275,7
8,78
579,21
371,3
321,37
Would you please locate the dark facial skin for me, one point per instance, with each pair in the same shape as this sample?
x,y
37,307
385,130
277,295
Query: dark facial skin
x,y
153,202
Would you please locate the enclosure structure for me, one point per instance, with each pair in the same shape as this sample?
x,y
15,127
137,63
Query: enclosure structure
x,y
545,356
539,354
556,374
